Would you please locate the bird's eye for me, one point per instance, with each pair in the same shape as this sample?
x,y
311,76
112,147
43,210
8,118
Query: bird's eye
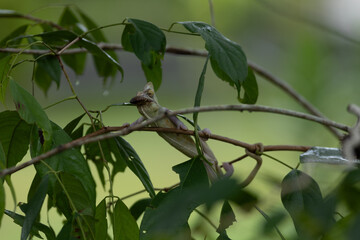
x,y
150,93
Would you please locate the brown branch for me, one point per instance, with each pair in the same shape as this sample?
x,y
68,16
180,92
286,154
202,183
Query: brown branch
x,y
125,131
32,18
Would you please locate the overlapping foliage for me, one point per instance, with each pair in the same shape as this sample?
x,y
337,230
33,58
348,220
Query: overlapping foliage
x,y
65,179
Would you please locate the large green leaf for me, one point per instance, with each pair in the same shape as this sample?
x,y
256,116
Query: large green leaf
x,y
135,164
37,226
101,225
124,226
34,207
302,198
70,161
4,79
31,111
192,173
169,212
14,137
148,43
227,58
139,207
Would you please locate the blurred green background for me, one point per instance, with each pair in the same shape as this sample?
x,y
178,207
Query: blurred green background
x,y
289,39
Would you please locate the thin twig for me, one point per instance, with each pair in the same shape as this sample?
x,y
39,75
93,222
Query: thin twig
x,y
189,52
212,15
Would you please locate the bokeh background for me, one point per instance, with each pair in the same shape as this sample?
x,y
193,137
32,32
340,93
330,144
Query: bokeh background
x,y
312,45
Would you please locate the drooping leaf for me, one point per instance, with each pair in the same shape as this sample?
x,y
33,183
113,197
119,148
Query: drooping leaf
x,y
135,164
77,194
90,24
4,79
153,72
169,212
37,226
227,217
34,207
144,38
69,128
227,58
125,226
31,111
139,207
148,43
251,88
98,52
70,21
2,199
302,198
192,173
101,222
71,162
111,152
42,79
48,65
14,137
8,40
76,62
197,103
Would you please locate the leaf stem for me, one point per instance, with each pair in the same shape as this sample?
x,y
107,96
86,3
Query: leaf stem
x,y
206,218
63,100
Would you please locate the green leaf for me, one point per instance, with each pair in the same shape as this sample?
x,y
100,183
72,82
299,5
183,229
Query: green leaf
x,y
70,21
48,65
105,69
227,217
135,164
14,137
153,72
69,128
34,207
9,38
56,38
30,110
77,193
111,153
75,61
19,220
42,79
192,173
197,103
302,198
251,88
139,207
148,43
348,190
96,51
2,198
125,226
167,218
90,24
227,58
4,79
71,162
144,38
101,222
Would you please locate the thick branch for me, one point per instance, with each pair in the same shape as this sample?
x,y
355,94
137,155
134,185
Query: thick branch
x,y
125,131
